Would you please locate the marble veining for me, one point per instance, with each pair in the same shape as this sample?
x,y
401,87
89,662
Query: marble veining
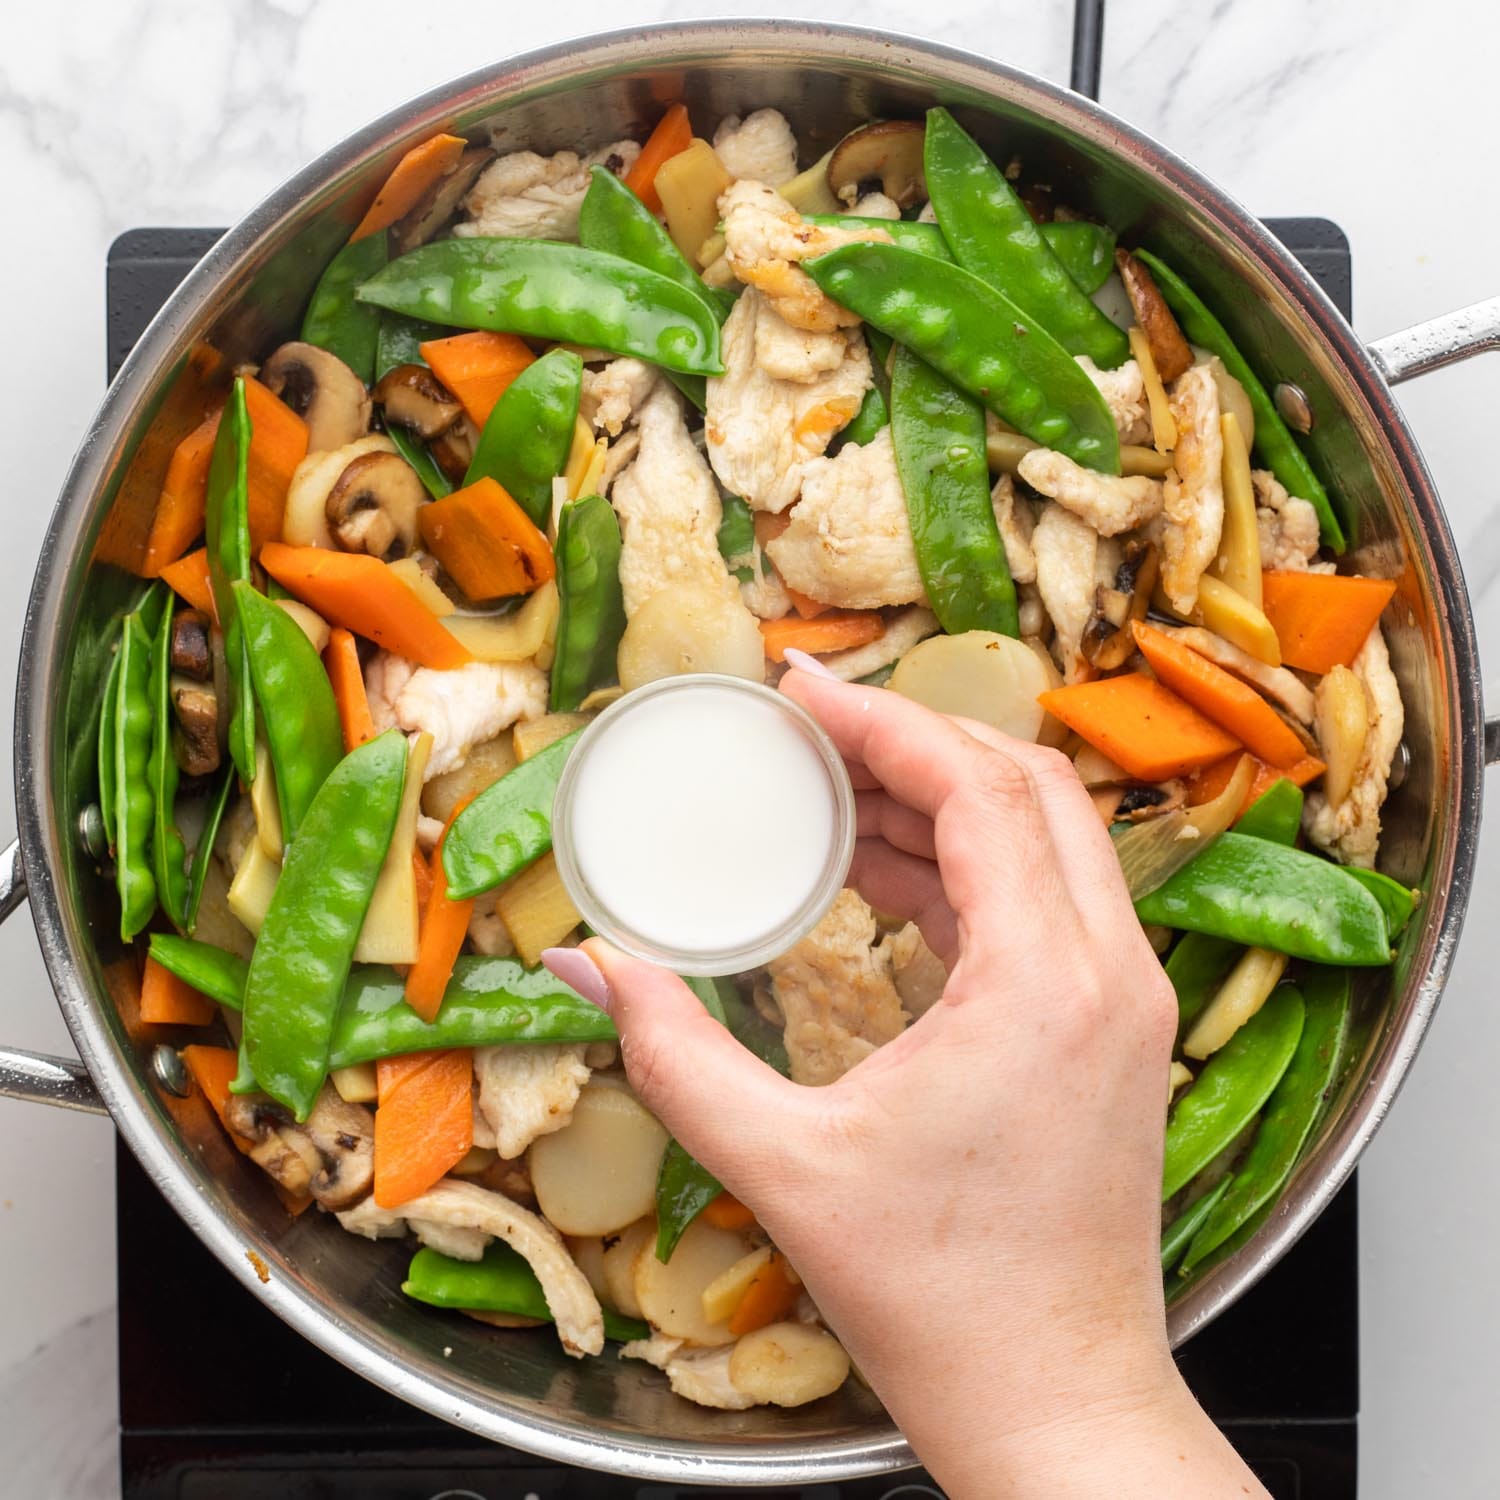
x,y
116,113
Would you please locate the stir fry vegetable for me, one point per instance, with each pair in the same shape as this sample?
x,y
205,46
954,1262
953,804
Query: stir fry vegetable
x,y
558,425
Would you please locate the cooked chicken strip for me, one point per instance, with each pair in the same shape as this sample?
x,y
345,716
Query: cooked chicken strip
x,y
1124,392
788,353
761,430
918,971
849,541
1108,502
613,394
765,595
375,1223
1351,831
669,509
760,147
525,196
487,929
459,708
902,632
1194,489
1067,560
1016,520
570,1299
1288,527
528,1089
765,238
836,993
1277,683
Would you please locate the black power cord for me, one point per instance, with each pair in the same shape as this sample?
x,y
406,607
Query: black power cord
x,y
1088,47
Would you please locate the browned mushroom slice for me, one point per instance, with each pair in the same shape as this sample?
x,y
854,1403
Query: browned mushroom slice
x,y
196,747
1139,804
190,650
887,151
322,390
440,202
1169,349
411,396
331,1156
453,450
373,506
1107,639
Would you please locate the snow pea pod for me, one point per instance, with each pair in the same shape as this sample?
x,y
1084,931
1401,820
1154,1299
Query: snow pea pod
x,y
296,704
168,852
302,954
335,321
1087,251
991,234
1275,815
1235,1082
398,341
1265,896
525,442
203,854
507,826
910,234
868,421
1178,1235
502,1281
980,340
214,971
939,437
135,806
1273,438
591,615
106,747
684,1188
1291,1112
1397,901
552,291
736,529
227,523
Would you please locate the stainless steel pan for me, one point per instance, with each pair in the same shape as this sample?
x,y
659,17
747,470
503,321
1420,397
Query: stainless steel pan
x,y
248,293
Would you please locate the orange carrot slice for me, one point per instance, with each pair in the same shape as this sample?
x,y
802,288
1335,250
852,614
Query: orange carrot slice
x,y
1322,619
477,367
489,545
424,1121
179,510
727,1212
833,630
444,925
341,658
1206,784
771,1295
213,1069
410,178
673,133
188,579
167,1000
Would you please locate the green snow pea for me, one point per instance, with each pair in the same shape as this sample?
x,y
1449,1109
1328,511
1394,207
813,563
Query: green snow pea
x,y
296,702
525,442
1397,901
1290,1114
1274,442
106,748
135,806
507,826
334,320
1087,251
991,234
398,341
1275,815
215,971
939,437
198,869
868,421
302,954
1235,1082
501,1282
1178,1235
591,611
736,529
227,523
980,340
684,1188
168,852
910,234
552,291
1265,896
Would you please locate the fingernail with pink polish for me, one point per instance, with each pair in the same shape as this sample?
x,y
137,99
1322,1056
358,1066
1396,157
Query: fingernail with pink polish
x,y
809,664
574,967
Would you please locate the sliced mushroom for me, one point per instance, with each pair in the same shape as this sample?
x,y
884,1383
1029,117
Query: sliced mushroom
x,y
453,450
331,1156
1107,639
196,706
322,390
1168,348
191,653
440,202
1141,803
412,396
373,506
887,151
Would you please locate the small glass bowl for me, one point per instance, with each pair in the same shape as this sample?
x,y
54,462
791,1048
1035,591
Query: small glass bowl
x,y
763,946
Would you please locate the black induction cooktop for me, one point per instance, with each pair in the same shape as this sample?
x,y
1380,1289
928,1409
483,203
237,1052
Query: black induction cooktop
x,y
1279,1372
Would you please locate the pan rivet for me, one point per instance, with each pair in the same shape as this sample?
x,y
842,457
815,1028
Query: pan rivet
x,y
1292,403
91,835
166,1064
1400,765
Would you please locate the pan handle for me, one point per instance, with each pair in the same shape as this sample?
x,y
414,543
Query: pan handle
x,y
1425,347
62,1081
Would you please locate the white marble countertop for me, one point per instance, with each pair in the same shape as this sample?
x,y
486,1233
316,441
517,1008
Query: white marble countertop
x,y
116,113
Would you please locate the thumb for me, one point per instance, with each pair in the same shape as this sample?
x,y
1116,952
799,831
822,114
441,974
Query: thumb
x,y
727,1107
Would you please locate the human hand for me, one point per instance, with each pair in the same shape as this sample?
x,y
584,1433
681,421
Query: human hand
x,y
975,1207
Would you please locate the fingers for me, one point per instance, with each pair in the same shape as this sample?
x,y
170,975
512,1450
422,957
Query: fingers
x,y
907,887
881,816
708,1090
